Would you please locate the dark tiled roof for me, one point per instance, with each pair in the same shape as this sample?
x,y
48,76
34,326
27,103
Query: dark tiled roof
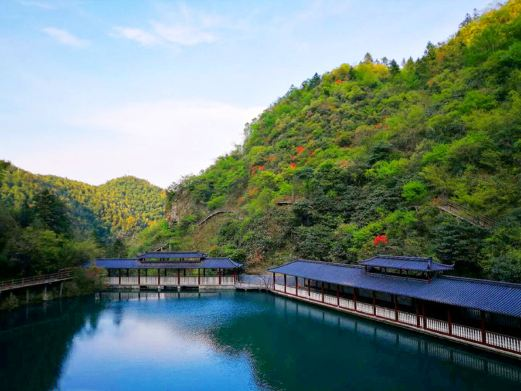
x,y
172,255
406,263
490,296
207,263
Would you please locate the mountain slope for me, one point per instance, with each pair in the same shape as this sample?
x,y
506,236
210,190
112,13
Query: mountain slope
x,y
372,151
119,207
48,222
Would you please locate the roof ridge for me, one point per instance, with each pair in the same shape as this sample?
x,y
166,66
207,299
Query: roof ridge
x,y
483,281
403,258
350,265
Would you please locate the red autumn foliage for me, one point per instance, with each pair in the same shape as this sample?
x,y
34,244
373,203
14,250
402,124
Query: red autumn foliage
x,y
293,165
339,81
381,240
300,149
254,169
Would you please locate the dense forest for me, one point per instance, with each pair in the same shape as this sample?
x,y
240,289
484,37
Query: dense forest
x,y
417,158
48,222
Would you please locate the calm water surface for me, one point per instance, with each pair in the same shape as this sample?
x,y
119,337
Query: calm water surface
x,y
227,341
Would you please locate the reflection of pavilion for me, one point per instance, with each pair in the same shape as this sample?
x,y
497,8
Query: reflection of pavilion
x,y
410,292
170,269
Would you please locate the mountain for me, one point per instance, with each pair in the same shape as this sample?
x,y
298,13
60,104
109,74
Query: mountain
x,y
119,207
48,222
418,159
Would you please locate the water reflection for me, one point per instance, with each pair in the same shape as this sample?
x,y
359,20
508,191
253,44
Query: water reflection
x,y
228,341
35,341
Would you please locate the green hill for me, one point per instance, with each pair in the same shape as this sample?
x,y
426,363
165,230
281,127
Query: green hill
x,y
47,222
426,155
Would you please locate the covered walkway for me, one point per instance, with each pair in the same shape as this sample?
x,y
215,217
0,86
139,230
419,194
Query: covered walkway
x,y
412,295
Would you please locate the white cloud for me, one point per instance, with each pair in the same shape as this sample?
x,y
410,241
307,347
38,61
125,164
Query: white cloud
x,y
64,37
178,25
183,35
159,140
134,34
160,33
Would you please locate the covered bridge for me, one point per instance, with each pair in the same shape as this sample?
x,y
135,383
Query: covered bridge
x,y
412,292
170,269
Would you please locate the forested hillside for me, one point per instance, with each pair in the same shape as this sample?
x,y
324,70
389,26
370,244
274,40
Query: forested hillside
x,y
422,158
48,222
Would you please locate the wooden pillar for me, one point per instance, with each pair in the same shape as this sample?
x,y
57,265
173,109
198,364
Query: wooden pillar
x,y
309,288
61,288
483,330
296,286
449,320
139,276
119,275
284,283
424,317
337,295
219,272
274,281
417,313
395,307
374,303
354,297
158,276
198,276
44,296
322,289
178,277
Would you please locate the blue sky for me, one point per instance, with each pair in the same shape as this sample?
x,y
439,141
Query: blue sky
x,y
92,90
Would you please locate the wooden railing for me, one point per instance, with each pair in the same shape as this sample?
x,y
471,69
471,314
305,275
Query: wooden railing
x,y
453,330
64,274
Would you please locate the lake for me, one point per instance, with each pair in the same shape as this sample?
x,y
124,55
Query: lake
x,y
227,341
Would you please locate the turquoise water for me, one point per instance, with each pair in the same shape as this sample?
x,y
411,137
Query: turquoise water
x,y
228,341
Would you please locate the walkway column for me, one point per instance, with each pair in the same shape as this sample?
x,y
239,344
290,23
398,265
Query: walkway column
x,y
424,317
296,285
337,295
374,303
322,289
354,297
158,277
449,321
309,288
198,276
274,281
483,330
395,308
284,283
417,312
61,288
178,277
219,272
119,275
139,277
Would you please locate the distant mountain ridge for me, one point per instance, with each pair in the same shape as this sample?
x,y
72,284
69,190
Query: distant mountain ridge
x,y
118,208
